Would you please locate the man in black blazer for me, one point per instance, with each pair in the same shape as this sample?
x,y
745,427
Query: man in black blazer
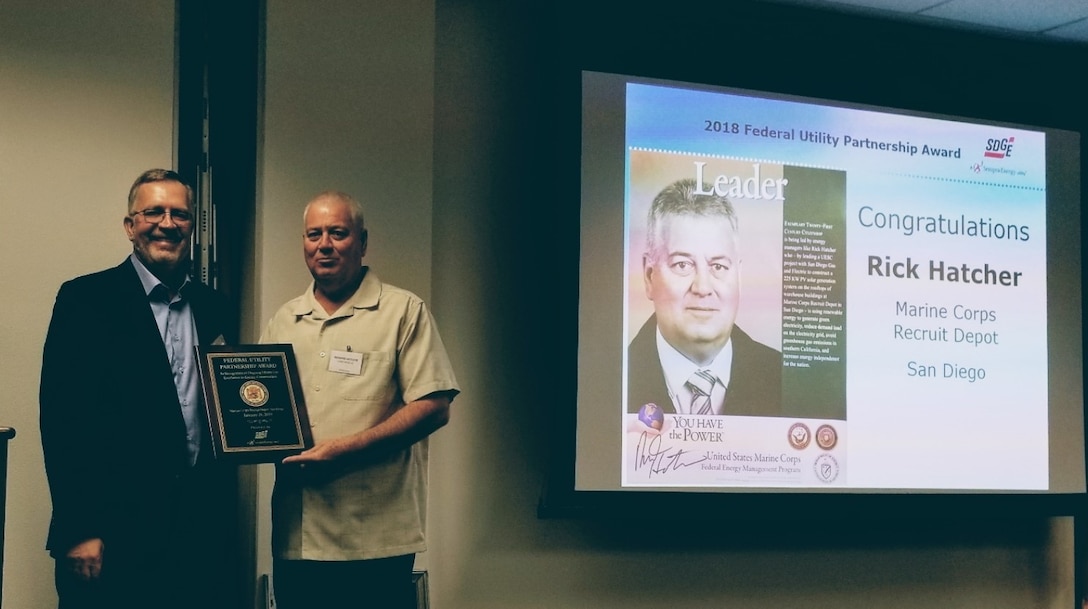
x,y
690,357
142,516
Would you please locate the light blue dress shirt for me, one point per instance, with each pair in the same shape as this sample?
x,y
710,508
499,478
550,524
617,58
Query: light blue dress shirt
x,y
174,317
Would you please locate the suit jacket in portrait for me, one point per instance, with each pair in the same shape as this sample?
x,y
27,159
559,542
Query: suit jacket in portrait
x,y
755,385
112,431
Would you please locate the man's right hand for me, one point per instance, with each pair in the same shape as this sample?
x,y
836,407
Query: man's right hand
x,y
85,559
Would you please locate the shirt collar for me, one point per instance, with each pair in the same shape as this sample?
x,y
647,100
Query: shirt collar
x,y
149,281
678,368
364,297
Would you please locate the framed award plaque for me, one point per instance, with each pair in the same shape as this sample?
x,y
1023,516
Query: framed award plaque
x,y
253,398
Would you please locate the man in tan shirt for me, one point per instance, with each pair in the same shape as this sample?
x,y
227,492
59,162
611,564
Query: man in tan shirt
x,y
348,515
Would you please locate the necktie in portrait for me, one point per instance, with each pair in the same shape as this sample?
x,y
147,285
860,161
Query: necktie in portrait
x,y
701,384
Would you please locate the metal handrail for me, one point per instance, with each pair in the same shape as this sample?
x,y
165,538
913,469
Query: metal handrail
x,y
6,433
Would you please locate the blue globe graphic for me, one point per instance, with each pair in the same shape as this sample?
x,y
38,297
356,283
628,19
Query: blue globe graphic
x,y
651,416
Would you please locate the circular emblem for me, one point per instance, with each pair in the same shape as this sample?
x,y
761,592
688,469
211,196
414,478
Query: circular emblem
x,y
799,435
826,437
826,468
254,393
651,416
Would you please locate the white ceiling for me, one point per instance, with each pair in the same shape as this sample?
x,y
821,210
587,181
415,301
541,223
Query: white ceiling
x,y
1060,21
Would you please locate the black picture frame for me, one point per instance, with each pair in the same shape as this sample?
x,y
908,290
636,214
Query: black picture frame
x,y
254,402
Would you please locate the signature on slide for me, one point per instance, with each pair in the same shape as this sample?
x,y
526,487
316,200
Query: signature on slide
x,y
651,453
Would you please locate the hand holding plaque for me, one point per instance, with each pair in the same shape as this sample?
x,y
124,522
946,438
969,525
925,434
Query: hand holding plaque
x,y
254,402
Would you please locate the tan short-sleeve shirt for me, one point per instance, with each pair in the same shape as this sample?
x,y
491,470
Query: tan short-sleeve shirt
x,y
380,350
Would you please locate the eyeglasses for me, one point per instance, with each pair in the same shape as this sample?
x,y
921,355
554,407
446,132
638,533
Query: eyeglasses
x,y
158,214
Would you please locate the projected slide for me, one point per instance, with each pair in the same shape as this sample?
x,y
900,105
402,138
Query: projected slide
x,y
824,297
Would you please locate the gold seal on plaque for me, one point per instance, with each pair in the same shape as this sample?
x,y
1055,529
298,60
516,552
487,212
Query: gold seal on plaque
x,y
254,393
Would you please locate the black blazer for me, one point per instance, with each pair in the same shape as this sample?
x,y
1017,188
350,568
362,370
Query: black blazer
x,y
755,385
112,432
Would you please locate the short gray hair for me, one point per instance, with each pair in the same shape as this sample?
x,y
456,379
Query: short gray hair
x,y
158,175
680,198
355,208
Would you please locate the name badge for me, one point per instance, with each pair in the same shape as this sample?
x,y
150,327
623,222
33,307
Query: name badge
x,y
346,362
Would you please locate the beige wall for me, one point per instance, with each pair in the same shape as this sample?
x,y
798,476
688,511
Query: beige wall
x,y
350,104
86,104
